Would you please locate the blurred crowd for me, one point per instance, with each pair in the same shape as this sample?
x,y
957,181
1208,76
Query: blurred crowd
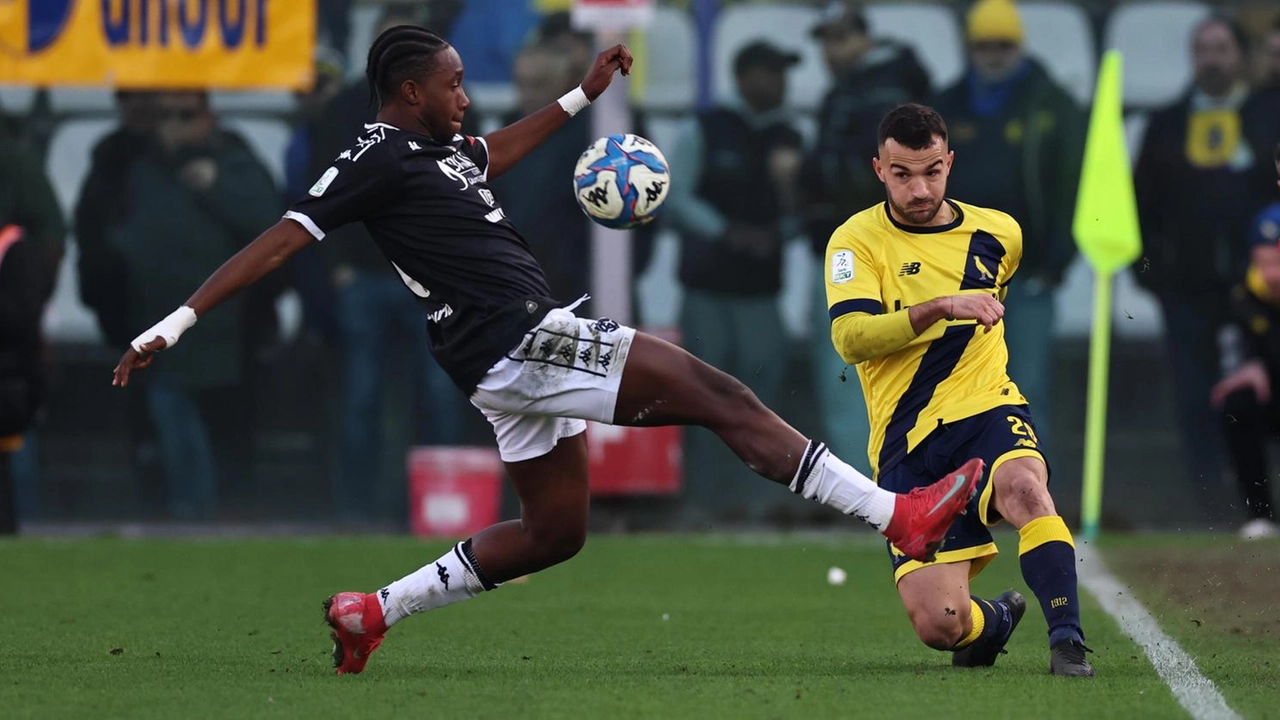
x,y
172,192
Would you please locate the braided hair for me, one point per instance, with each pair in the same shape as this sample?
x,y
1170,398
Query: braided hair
x,y
400,53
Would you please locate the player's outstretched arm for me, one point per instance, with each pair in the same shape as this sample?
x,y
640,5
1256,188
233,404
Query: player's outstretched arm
x,y
264,254
859,337
511,143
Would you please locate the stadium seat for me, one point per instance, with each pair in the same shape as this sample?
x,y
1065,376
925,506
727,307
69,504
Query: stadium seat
x,y
670,72
17,99
72,100
267,138
1135,314
1155,39
1135,127
933,31
65,318
1059,35
364,20
786,26
276,102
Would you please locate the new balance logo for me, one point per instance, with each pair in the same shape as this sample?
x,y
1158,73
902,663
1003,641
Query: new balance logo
x,y
414,146
495,216
1025,443
444,575
909,268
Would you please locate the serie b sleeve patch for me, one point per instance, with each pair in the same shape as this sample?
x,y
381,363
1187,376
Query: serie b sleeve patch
x,y
323,183
841,266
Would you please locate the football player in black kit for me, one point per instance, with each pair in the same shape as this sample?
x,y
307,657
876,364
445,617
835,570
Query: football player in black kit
x,y
526,361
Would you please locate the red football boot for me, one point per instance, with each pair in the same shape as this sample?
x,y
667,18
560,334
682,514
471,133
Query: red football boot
x,y
358,629
922,517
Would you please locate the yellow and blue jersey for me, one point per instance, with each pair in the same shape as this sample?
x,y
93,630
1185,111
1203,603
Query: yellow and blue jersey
x,y
954,369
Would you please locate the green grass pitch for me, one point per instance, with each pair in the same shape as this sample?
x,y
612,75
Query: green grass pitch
x,y
639,626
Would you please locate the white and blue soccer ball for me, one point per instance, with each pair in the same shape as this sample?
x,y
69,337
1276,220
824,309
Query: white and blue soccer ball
x,y
621,181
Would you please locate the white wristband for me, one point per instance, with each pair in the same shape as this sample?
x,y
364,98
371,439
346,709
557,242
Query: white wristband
x,y
574,101
170,328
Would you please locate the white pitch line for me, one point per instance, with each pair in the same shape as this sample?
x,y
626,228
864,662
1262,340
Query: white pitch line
x,y
1195,693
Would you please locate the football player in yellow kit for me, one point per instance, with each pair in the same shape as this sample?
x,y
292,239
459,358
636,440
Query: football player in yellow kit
x,y
914,287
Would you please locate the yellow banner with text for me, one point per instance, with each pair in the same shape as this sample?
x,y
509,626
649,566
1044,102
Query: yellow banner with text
x,y
153,44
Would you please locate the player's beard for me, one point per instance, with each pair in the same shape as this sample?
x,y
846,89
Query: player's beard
x,y
919,213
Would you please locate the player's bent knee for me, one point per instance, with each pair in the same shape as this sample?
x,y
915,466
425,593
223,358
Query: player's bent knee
x,y
563,543
942,628
940,633
1023,492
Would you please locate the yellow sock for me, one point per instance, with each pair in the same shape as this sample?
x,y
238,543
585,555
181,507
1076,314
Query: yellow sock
x,y
979,624
1043,530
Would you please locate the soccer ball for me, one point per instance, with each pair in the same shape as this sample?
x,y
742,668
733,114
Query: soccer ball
x,y
621,181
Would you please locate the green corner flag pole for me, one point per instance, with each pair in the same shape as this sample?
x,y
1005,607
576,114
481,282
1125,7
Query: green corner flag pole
x,y
1106,231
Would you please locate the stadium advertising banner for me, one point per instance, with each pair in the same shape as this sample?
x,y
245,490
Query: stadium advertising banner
x,y
223,44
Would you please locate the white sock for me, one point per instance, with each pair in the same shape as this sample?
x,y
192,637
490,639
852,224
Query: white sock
x,y
827,479
454,577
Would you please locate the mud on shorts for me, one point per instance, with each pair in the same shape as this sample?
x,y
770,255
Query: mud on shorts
x,y
565,371
997,436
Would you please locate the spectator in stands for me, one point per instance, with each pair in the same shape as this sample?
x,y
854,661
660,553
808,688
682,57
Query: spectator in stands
x,y
27,202
530,192
534,192
27,199
490,34
1251,415
1019,140
306,268
195,195
374,312
733,202
1202,173
100,268
102,201
869,77
26,280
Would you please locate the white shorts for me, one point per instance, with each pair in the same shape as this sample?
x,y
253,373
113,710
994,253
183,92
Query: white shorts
x,y
565,371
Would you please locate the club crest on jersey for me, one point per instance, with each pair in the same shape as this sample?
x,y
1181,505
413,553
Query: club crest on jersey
x,y
842,266
487,196
323,183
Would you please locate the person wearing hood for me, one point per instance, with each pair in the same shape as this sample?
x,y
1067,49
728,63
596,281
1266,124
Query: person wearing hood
x,y
1021,139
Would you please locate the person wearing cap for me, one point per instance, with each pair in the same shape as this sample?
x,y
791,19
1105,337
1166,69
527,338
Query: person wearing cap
x,y
1201,175
1250,414
870,77
1020,141
732,194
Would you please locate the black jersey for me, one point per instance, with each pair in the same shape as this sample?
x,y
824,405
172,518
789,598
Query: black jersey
x,y
429,209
